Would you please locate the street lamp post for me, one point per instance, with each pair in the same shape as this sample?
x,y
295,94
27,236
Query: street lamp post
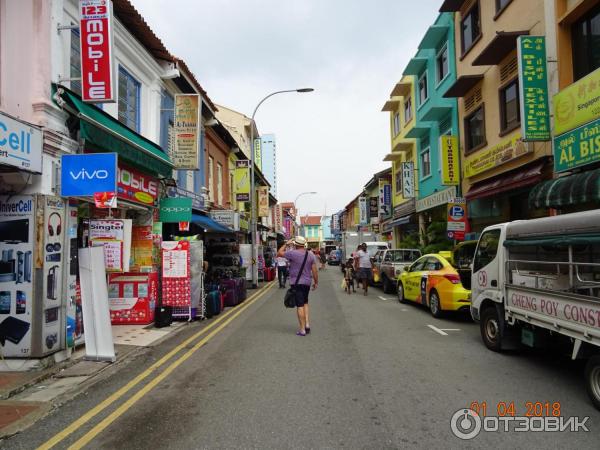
x,y
253,211
300,195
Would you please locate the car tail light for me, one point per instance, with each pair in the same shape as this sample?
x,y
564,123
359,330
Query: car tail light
x,y
453,278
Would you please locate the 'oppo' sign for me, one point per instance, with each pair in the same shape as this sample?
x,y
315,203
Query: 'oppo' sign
x,y
83,175
95,30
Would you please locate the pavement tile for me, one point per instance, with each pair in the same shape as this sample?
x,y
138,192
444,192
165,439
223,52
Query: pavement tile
x,y
12,412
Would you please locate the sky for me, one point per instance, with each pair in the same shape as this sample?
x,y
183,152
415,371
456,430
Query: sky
x,y
351,52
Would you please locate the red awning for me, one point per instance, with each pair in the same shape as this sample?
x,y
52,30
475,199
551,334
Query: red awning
x,y
523,177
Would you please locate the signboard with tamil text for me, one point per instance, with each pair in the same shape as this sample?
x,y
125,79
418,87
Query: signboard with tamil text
x,y
186,131
484,160
578,147
533,88
577,104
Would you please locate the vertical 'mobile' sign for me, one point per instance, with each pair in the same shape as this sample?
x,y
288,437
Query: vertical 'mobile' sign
x,y
95,30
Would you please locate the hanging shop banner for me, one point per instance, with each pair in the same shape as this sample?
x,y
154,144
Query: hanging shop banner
x,y
577,104
224,217
362,211
373,207
457,218
96,42
241,180
134,186
385,199
437,199
278,217
408,179
186,131
533,88
450,169
258,153
84,174
578,147
20,144
263,201
197,199
484,160
176,209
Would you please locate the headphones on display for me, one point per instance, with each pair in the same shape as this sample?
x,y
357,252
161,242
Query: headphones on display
x,y
58,226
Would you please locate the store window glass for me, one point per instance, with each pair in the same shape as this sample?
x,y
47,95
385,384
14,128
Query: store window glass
x,y
423,91
129,100
470,28
75,61
442,64
407,109
219,184
585,36
396,124
509,106
398,179
501,4
475,130
211,187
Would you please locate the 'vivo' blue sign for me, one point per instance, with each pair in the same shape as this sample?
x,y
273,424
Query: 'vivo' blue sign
x,y
85,174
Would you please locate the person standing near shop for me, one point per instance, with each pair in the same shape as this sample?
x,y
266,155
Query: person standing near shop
x,y
282,270
309,274
365,268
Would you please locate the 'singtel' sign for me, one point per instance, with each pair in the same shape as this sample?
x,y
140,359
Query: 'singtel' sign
x,y
20,144
83,175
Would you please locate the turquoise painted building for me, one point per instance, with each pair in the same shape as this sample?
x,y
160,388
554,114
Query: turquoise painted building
x,y
434,71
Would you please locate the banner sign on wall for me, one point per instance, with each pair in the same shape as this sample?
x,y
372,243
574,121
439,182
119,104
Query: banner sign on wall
x,y
263,201
186,131
20,144
96,40
373,207
224,217
136,187
577,104
577,147
258,153
450,170
84,174
241,180
533,88
408,179
362,211
175,209
385,199
484,160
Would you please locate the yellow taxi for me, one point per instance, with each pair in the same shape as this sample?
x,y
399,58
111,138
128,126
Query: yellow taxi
x,y
433,281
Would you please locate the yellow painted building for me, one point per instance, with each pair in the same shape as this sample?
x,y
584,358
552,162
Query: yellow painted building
x,y
498,167
401,108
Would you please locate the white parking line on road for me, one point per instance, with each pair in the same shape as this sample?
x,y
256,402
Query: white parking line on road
x,y
442,331
383,298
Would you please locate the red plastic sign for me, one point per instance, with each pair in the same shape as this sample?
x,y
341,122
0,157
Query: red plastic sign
x,y
136,186
95,30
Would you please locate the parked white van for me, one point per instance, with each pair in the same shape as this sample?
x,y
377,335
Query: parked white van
x,y
539,280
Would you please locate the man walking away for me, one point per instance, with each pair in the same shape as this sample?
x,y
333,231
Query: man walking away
x,y
309,273
282,270
365,268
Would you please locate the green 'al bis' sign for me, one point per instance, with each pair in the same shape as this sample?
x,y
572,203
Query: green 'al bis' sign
x,y
176,209
577,147
533,88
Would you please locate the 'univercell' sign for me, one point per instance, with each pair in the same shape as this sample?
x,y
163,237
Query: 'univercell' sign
x,y
95,30
85,174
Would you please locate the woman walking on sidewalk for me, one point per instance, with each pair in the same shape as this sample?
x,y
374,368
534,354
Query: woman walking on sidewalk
x,y
301,280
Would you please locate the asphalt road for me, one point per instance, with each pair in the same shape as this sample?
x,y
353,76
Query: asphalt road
x,y
372,374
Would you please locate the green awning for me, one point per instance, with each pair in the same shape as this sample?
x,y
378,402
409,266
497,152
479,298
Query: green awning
x,y
415,66
555,241
418,132
574,189
433,36
102,132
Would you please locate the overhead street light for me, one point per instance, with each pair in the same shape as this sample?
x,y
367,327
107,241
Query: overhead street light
x,y
253,211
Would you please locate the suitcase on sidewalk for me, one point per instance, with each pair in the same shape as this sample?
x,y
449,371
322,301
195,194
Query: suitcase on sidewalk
x,y
163,316
230,292
241,289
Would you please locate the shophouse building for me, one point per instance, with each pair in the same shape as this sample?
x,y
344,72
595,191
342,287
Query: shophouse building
x,y
576,126
400,218
498,166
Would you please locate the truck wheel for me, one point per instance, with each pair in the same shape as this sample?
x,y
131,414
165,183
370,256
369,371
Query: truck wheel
x,y
592,380
435,305
401,298
491,332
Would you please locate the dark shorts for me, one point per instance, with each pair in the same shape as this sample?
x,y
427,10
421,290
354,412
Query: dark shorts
x,y
302,297
364,273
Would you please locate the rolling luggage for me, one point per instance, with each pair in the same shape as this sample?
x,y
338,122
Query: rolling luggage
x,y
213,304
230,292
241,289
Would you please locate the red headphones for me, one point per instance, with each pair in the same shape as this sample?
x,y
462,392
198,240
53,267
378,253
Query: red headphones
x,y
58,226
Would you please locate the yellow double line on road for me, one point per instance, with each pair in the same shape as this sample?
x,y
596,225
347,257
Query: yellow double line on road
x,y
220,324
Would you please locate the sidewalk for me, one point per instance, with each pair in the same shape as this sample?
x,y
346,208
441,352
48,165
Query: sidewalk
x,y
25,397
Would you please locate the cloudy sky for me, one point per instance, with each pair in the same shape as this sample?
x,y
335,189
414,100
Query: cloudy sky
x,y
351,52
